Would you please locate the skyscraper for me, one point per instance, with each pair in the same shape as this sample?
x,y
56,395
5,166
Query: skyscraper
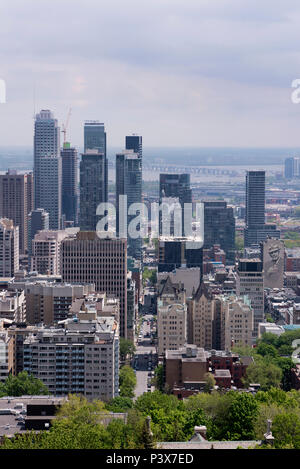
x,y
70,183
175,187
93,187
134,142
256,229
95,139
47,167
129,183
219,227
16,202
292,168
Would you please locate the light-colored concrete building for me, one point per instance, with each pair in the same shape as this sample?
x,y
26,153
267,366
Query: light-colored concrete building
x,y
46,250
9,248
237,321
86,258
13,306
82,357
201,318
250,282
6,355
171,325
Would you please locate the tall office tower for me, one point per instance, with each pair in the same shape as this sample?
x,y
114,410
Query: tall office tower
x,y
9,248
174,186
16,202
250,282
93,188
82,357
219,227
256,230
38,220
47,167
134,142
86,258
70,183
292,168
129,183
95,139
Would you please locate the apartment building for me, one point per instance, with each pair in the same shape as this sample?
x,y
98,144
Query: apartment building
x,y
236,328
201,318
82,357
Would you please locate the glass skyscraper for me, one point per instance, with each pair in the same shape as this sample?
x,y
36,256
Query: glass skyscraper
x,y
47,167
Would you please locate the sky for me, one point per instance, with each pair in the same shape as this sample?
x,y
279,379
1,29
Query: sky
x,y
179,72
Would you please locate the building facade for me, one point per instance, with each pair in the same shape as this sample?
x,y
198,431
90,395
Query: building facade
x,y
47,167
9,248
16,202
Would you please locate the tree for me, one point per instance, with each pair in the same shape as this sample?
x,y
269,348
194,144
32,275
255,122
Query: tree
x,y
127,380
21,385
210,382
126,348
159,378
266,374
286,430
119,404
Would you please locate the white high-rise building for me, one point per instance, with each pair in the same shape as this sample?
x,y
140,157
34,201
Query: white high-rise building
x,y
47,167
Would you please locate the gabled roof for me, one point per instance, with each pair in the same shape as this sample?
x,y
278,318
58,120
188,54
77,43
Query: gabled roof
x,y
202,290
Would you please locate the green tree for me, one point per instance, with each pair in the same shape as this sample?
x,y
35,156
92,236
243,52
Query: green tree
x,y
21,385
119,404
286,430
265,373
127,381
126,348
210,382
159,378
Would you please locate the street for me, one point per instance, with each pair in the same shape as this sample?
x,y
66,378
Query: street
x,y
145,359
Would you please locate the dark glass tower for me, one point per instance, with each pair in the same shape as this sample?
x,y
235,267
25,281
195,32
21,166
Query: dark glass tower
x,y
129,183
219,227
135,143
70,183
256,230
93,188
175,186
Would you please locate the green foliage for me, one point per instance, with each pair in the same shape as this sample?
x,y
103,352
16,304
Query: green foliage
x,y
265,373
159,378
239,243
286,430
150,274
119,404
127,381
126,348
21,385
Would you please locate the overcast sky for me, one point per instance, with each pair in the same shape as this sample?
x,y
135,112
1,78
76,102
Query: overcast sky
x,y
179,72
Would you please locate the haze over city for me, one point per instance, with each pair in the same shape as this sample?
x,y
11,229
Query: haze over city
x,y
198,73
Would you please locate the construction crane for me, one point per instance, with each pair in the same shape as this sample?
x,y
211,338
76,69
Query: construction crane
x,y
65,126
